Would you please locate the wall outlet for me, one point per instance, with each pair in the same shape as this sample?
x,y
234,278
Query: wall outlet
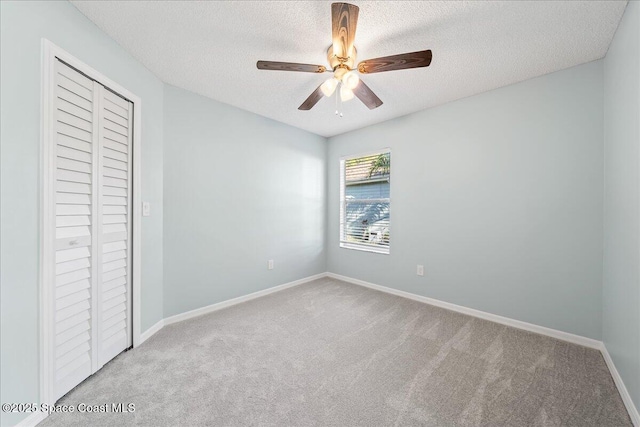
x,y
420,270
270,264
146,208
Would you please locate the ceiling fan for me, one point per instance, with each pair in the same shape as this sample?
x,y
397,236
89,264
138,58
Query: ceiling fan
x,y
342,58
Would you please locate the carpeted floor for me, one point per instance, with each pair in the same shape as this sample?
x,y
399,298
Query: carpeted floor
x,y
328,353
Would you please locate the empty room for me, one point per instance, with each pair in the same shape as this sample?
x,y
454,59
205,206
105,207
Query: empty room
x,y
310,213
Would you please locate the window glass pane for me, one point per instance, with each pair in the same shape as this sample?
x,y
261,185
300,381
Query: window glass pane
x,y
365,203
367,222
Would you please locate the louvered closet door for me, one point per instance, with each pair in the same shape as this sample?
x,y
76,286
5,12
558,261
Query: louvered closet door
x,y
75,140
115,226
92,286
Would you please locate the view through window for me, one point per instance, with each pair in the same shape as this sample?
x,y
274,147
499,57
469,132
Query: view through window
x,y
365,183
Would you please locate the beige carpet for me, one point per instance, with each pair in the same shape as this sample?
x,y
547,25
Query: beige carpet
x,y
328,353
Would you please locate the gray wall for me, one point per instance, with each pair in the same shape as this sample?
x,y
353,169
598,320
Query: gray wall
x,y
239,189
621,288
22,25
499,196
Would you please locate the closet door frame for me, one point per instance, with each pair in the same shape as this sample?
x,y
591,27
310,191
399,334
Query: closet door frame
x,y
50,53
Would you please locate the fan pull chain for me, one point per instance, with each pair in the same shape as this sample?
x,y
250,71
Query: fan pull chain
x,y
338,101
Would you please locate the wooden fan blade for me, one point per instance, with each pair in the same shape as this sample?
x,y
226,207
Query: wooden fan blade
x,y
396,62
366,95
344,20
290,66
311,100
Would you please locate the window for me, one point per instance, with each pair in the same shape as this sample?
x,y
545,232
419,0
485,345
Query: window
x,y
364,202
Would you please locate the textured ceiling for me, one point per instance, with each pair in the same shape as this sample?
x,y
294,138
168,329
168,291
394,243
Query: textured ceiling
x,y
211,48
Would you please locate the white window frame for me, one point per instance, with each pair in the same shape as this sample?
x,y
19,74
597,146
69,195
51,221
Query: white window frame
x,y
360,246
47,228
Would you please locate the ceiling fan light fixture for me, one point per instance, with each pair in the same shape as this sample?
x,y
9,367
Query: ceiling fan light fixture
x,y
329,87
351,80
346,94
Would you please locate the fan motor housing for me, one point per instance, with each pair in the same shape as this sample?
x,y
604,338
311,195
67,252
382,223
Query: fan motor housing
x,y
335,61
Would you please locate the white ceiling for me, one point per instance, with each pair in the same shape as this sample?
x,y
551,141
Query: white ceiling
x,y
211,48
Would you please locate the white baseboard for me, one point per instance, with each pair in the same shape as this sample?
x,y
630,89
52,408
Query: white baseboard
x,y
228,303
220,305
565,336
624,393
149,332
554,333
32,420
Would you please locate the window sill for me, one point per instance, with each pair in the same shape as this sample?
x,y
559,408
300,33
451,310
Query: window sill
x,y
363,248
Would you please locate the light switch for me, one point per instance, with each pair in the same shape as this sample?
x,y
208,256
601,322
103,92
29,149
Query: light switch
x,y
146,208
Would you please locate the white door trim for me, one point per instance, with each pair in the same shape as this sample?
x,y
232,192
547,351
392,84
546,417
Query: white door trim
x,y
47,220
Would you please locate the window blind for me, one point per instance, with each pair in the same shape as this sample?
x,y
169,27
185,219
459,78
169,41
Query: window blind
x,y
365,183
